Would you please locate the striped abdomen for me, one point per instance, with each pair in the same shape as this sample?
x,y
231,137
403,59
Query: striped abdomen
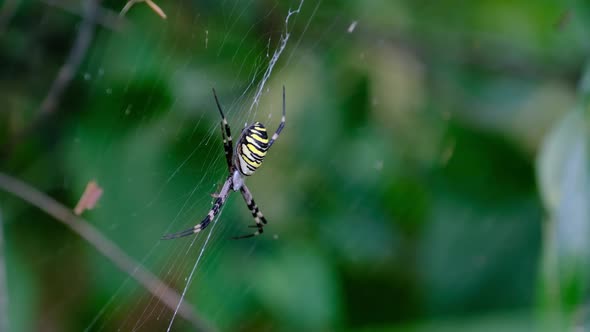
x,y
251,148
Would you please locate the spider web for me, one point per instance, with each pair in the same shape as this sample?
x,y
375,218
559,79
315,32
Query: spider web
x,y
401,194
248,90
150,137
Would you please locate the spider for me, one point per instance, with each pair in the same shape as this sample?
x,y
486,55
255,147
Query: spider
x,y
252,146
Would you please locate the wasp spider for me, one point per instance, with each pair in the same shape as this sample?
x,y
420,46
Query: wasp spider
x,y
252,146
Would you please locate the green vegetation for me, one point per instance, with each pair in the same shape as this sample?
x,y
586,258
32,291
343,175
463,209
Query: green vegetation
x,y
433,175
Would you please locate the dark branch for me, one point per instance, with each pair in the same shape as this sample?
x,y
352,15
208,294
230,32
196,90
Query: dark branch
x,y
7,13
64,76
70,67
103,17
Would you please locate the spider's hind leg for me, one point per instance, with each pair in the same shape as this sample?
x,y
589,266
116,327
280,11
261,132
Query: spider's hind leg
x,y
258,216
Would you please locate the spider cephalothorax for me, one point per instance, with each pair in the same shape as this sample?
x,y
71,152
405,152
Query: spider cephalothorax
x,y
251,149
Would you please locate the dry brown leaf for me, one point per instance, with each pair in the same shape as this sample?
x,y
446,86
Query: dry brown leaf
x,y
89,198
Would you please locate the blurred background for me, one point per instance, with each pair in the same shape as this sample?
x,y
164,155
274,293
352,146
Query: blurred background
x,y
433,174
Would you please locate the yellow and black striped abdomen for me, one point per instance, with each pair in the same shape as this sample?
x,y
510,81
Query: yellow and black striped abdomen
x,y
251,148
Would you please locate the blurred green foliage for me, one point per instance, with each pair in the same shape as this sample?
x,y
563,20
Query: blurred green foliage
x,y
434,173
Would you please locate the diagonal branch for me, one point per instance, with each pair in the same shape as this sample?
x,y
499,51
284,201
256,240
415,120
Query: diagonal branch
x,y
109,249
65,74
68,69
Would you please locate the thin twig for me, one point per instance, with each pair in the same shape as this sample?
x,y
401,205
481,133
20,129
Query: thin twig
x,y
3,290
110,250
150,3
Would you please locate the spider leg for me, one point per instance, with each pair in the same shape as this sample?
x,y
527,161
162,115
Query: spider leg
x,y
258,217
226,135
281,126
221,197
